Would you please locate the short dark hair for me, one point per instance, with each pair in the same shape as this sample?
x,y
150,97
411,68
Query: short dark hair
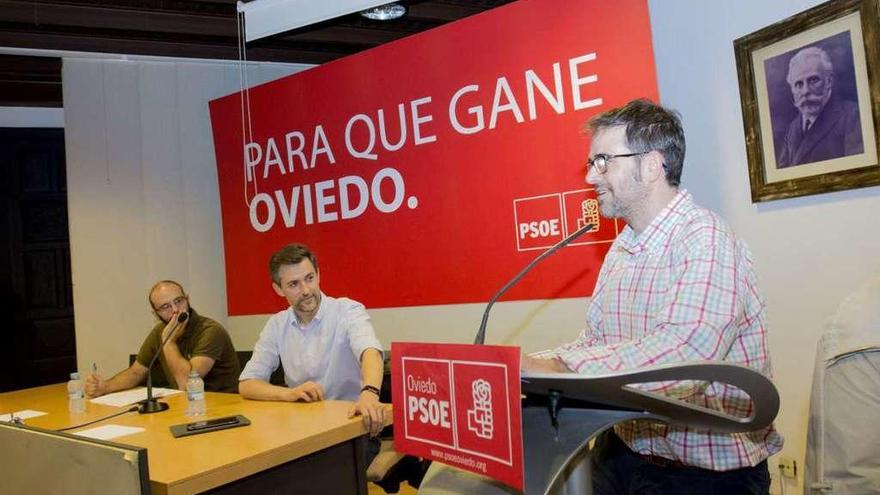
x,y
291,254
648,127
156,286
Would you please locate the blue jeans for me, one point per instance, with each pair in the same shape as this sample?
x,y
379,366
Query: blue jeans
x,y
617,470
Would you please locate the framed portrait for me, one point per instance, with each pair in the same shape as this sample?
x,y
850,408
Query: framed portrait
x,y
810,91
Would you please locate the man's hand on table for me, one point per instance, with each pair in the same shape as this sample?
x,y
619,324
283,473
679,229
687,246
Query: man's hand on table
x,y
306,392
372,411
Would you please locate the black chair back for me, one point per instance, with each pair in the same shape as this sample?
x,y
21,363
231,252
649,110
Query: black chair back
x,y
277,377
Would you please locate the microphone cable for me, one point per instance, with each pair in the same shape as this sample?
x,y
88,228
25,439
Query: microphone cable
x,y
120,413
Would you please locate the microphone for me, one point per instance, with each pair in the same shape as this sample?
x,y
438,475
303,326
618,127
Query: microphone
x,y
150,404
481,333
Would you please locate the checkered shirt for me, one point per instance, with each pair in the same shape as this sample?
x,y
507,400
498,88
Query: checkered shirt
x,y
682,290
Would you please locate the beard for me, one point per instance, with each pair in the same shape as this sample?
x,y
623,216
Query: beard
x,y
309,303
623,202
811,104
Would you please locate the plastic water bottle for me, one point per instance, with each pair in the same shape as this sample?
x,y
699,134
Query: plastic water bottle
x,y
195,394
76,399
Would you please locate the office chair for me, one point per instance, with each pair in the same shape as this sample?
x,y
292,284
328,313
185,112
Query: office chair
x,y
277,377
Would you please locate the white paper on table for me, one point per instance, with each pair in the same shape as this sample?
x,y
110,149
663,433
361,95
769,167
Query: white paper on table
x,y
132,396
109,432
24,414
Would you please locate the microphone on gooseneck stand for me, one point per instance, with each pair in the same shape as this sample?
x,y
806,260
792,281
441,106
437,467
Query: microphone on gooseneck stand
x,y
481,333
151,404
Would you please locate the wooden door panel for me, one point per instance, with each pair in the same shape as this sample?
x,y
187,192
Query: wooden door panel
x,y
35,286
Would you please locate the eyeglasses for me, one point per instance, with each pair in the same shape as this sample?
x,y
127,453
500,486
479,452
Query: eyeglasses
x,y
167,306
600,161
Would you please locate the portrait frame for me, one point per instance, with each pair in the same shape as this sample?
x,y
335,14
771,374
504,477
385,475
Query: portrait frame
x,y
770,114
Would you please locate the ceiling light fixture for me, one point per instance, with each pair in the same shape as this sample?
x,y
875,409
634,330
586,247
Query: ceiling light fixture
x,y
268,17
385,12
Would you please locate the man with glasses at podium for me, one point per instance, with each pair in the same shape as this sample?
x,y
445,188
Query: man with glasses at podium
x,y
677,285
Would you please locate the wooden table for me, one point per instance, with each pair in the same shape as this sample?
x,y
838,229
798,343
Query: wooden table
x,y
312,448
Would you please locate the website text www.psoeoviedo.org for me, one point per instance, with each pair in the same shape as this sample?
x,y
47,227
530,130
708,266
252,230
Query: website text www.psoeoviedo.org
x,y
459,460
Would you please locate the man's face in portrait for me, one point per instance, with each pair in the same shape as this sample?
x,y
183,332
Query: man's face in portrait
x,y
811,85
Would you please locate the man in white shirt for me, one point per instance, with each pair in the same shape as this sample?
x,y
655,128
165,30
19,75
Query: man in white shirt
x,y
327,346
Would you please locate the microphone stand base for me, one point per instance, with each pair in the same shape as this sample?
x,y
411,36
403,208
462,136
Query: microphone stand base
x,y
152,406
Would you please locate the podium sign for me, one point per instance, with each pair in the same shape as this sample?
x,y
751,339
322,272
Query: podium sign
x,y
460,405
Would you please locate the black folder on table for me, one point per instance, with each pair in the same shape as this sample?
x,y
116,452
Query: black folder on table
x,y
206,425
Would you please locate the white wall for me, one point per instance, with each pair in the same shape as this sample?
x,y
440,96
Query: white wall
x,y
811,251
142,191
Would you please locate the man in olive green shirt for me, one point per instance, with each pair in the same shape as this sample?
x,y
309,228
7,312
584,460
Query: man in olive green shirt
x,y
198,343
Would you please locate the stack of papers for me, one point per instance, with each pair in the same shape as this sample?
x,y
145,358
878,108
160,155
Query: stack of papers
x,y
132,396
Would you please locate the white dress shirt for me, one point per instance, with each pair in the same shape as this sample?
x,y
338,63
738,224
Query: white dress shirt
x,y
326,351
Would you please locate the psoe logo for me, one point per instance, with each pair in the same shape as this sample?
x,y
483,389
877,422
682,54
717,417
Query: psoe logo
x,y
542,221
480,418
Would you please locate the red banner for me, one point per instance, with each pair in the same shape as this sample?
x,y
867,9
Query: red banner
x,y
431,169
460,405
